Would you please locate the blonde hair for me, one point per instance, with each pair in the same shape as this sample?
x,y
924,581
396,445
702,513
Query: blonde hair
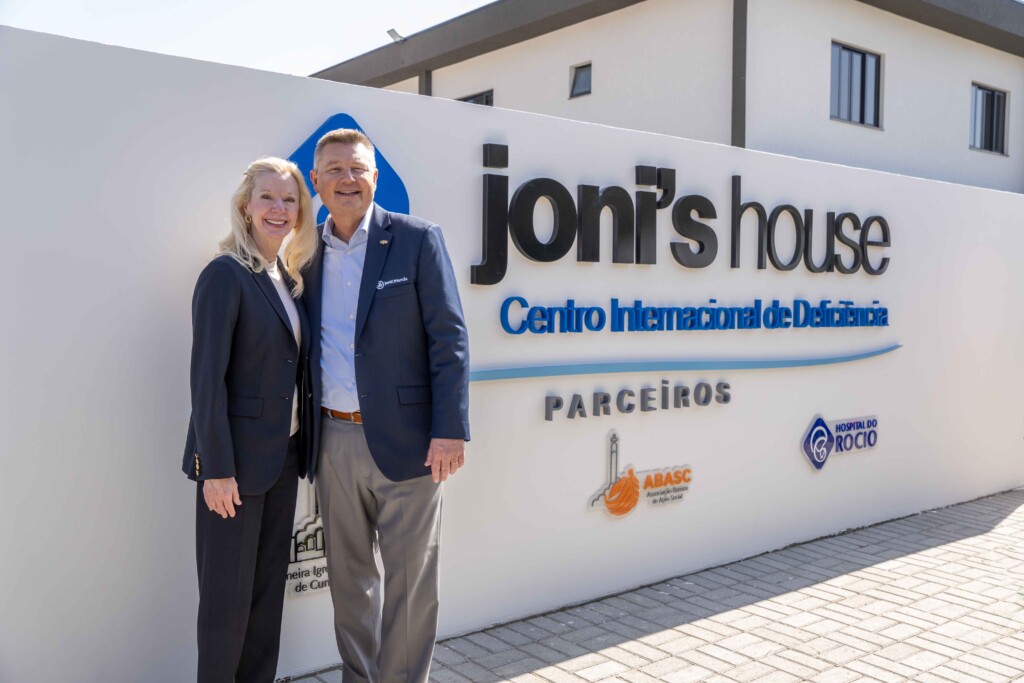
x,y
240,244
343,136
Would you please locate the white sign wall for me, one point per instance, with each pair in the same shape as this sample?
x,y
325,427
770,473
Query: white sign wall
x,y
118,167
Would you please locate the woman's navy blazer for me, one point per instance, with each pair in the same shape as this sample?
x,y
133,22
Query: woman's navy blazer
x,y
245,368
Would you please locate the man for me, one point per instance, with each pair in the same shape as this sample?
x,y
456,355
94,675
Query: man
x,y
390,361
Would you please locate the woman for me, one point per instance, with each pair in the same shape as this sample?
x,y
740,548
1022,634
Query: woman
x,y
249,348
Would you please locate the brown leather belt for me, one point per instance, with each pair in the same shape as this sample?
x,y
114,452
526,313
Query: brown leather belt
x,y
355,417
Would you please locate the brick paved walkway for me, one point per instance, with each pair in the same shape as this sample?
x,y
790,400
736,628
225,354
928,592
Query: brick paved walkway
x,y
932,597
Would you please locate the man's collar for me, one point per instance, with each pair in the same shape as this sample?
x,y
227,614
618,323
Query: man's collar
x,y
364,227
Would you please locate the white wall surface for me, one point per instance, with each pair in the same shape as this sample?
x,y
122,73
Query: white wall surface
x,y
660,66
409,85
926,93
120,165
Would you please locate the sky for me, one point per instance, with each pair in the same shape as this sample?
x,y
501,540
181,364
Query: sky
x,y
296,37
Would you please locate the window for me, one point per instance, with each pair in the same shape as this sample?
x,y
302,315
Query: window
x,y
988,119
856,85
484,98
580,81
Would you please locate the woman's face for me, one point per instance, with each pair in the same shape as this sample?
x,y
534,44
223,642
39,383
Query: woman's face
x,y
273,207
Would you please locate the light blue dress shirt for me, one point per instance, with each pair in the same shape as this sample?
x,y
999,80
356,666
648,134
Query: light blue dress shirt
x,y
343,271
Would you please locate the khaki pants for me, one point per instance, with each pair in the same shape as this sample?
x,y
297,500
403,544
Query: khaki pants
x,y
365,513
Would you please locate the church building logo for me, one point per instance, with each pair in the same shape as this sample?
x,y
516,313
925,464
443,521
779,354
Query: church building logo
x,y
308,533
307,568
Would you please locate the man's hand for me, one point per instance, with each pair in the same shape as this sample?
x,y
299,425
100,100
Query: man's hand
x,y
221,496
445,457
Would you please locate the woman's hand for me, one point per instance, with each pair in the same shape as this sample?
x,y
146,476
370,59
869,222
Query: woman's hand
x,y
221,496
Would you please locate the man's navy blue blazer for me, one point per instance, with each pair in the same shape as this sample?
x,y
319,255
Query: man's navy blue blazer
x,y
411,345
245,368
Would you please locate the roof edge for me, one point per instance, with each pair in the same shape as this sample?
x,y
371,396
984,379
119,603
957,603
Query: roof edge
x,y
483,30
995,23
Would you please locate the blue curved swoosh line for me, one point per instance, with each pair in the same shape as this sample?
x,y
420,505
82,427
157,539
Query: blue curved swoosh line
x,y
667,365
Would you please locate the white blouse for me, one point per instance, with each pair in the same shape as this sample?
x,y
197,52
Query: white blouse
x,y
293,317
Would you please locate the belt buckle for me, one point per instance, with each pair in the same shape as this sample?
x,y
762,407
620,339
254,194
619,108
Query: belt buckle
x,y
355,417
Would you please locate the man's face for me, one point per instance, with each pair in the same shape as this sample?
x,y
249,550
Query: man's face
x,y
346,178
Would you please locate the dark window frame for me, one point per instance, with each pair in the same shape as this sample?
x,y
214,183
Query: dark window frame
x,y
576,70
989,111
485,98
856,86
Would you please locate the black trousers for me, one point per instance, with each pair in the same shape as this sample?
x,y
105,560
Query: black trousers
x,y
243,565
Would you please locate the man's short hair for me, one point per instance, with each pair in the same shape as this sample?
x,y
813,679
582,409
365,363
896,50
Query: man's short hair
x,y
344,136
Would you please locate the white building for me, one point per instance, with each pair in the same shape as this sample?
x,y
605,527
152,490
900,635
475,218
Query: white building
x,y
917,87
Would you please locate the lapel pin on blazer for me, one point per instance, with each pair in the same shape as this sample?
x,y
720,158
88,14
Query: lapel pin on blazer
x,y
383,241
